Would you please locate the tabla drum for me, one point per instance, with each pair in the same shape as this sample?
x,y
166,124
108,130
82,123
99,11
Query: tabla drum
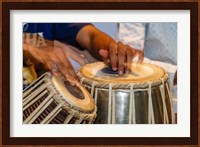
x,y
141,97
51,100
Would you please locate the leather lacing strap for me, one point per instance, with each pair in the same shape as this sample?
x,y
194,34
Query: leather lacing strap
x,y
92,89
168,91
132,106
162,90
150,106
117,85
109,103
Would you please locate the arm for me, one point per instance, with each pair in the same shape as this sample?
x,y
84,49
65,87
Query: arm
x,y
47,55
51,55
102,46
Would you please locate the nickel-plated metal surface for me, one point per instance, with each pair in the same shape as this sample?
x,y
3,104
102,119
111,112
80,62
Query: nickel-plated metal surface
x,y
120,103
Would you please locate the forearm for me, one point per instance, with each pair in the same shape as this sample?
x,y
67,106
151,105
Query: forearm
x,y
93,40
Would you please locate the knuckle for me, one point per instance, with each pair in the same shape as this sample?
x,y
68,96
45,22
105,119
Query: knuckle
x,y
112,44
120,43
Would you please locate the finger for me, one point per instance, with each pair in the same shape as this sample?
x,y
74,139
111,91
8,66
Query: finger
x,y
113,55
70,68
62,59
130,54
134,52
53,69
107,62
121,57
141,57
79,59
65,65
67,72
86,60
175,79
103,53
70,79
62,68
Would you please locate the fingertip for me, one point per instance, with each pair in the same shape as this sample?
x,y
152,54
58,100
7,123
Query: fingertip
x,y
128,72
55,73
121,73
70,79
100,51
72,83
114,68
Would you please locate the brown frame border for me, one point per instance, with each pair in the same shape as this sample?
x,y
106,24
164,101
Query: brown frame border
x,y
7,6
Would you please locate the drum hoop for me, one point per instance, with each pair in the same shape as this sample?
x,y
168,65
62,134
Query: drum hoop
x,y
122,85
59,99
62,98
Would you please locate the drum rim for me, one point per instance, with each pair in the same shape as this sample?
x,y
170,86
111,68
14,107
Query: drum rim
x,y
85,105
57,98
122,84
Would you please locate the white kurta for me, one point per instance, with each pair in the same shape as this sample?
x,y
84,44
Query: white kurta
x,y
158,40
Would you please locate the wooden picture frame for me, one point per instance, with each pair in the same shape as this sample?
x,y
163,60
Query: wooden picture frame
x,y
7,140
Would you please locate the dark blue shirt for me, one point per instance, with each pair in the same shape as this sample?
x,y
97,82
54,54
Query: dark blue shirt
x,y
64,32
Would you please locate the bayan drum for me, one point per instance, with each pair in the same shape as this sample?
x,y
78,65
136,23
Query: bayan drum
x,y
141,97
51,100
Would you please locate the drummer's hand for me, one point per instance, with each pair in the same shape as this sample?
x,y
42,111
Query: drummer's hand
x,y
121,56
103,46
72,52
52,58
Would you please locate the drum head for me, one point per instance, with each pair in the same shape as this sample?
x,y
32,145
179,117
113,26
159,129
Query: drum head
x,y
100,72
77,96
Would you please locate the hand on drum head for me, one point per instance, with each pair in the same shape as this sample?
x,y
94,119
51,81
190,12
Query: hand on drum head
x,y
81,57
51,57
120,57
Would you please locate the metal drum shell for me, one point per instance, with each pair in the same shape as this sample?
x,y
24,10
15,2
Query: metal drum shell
x,y
115,105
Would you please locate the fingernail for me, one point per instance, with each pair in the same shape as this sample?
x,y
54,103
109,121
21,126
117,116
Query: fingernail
x,y
120,72
72,83
114,68
55,74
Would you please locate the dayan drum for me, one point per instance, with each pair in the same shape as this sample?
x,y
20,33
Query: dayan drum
x,y
141,97
51,100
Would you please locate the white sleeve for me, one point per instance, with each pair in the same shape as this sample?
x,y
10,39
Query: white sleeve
x,y
132,34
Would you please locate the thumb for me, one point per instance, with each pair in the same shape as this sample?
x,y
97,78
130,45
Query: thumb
x,y
103,53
